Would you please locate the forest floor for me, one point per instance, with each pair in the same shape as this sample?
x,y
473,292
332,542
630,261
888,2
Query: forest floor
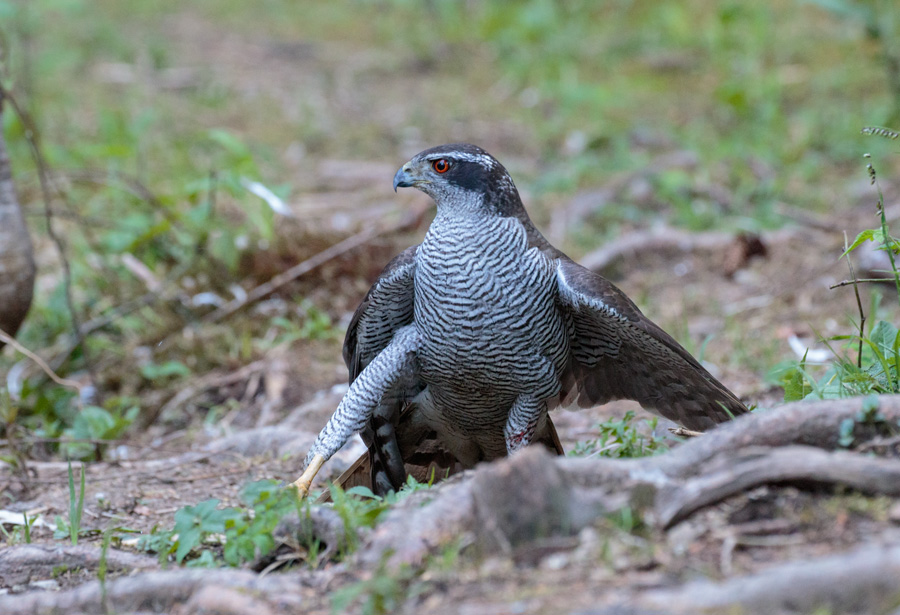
x,y
161,470
742,302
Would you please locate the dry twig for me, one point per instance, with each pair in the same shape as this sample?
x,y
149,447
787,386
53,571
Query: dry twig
x,y
5,337
286,277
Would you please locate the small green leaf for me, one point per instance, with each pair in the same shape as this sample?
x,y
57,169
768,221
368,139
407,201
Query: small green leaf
x,y
258,491
363,492
206,560
845,437
62,528
222,247
795,385
866,235
870,405
885,336
192,522
231,143
153,371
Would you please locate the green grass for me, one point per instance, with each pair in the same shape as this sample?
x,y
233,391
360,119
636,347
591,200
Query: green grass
x,y
866,362
71,528
19,533
780,82
381,593
239,534
623,437
246,531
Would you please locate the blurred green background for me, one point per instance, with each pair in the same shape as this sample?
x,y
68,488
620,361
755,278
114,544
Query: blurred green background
x,y
770,95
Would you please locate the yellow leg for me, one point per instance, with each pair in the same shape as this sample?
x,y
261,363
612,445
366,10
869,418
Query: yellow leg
x,y
302,484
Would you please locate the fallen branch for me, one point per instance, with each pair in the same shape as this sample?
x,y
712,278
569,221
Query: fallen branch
x,y
660,239
65,382
64,350
203,384
862,280
675,241
286,277
267,288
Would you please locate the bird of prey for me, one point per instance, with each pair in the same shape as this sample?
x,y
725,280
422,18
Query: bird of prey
x,y
476,333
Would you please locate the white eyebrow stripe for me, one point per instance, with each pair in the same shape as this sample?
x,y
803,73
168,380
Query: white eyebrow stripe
x,y
482,159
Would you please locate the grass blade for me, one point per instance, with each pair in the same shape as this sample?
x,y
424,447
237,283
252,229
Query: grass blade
x,y
75,507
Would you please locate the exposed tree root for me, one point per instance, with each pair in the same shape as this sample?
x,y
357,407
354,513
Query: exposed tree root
x,y
734,250
160,592
22,564
865,580
533,494
752,467
663,239
272,440
501,506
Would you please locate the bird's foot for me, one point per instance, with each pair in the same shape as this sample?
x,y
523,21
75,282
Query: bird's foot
x,y
303,483
518,441
522,422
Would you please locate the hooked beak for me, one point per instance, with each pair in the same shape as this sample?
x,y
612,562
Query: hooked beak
x,y
402,179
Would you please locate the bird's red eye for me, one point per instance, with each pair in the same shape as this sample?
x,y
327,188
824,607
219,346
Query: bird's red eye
x,y
441,165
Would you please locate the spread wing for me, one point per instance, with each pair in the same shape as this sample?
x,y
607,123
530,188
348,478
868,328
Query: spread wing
x,y
618,353
387,307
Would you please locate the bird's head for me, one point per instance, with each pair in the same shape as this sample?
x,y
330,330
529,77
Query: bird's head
x,y
461,176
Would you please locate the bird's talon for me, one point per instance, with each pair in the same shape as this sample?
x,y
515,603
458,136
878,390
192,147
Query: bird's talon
x,y
302,488
305,481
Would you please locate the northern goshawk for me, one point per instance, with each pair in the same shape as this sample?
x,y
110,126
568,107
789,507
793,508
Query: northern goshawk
x,y
478,331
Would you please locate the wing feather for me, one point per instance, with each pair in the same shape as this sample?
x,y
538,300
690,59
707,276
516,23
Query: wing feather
x,y
618,353
387,306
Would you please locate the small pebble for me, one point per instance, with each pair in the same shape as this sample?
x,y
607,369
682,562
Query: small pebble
x,y
894,513
557,561
46,584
